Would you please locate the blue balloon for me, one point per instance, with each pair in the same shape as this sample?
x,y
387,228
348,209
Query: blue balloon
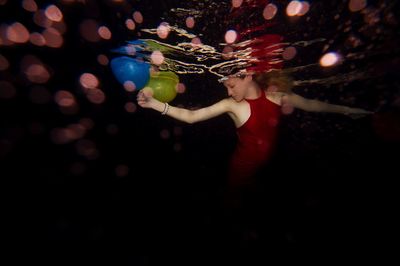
x,y
128,69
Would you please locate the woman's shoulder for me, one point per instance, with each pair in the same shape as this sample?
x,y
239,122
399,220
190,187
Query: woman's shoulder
x,y
233,106
229,102
275,96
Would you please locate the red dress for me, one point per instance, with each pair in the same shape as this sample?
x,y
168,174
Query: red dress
x,y
256,140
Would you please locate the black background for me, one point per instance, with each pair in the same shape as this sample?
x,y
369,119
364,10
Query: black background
x,y
329,190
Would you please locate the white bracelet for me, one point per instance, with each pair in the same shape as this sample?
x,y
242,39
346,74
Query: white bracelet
x,y
166,108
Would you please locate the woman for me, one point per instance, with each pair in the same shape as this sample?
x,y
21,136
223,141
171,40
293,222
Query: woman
x,y
254,104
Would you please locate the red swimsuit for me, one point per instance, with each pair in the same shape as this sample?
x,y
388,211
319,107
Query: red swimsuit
x,y
256,140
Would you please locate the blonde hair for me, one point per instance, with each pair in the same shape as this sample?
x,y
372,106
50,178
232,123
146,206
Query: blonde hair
x,y
277,78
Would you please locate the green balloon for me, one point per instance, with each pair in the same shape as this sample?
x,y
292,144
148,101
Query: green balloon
x,y
163,84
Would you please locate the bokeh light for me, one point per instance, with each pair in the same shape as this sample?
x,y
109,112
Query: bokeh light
x,y
3,35
180,88
29,5
96,96
190,22
76,131
138,17
66,102
61,27
37,39
293,8
289,53
105,32
60,136
53,38
40,19
196,41
89,81
157,58
130,107
269,11
163,30
53,13
286,107
17,33
329,59
357,5
230,36
236,3
305,7
34,70
227,52
129,86
64,98
273,122
102,59
130,24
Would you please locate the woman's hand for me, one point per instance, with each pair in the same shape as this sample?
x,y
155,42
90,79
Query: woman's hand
x,y
145,98
356,113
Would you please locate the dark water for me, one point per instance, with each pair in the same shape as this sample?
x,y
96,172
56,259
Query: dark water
x,y
137,188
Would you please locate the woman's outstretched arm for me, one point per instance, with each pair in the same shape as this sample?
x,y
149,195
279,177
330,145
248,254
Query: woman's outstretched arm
x,y
310,105
146,100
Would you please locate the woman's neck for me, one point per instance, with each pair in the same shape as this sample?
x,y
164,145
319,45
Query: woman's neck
x,y
253,91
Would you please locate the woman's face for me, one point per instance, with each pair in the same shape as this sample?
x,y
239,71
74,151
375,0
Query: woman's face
x,y
237,87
